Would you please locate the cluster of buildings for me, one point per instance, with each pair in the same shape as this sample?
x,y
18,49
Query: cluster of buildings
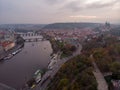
x,y
7,40
77,34
70,35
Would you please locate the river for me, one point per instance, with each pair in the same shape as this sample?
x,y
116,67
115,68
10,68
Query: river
x,y
19,69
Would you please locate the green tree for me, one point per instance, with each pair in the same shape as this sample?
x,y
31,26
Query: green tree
x,y
115,66
63,83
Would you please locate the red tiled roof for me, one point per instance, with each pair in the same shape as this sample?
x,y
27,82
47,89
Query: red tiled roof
x,y
6,43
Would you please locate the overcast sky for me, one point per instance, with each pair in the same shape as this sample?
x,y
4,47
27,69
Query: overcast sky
x,y
51,11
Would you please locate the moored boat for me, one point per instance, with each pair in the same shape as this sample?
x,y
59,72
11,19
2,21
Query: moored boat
x,y
35,79
17,51
38,76
8,57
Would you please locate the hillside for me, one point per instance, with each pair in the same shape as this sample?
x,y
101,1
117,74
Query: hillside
x,y
22,27
75,75
70,25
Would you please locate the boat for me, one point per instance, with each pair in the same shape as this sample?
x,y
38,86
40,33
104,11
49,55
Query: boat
x,y
38,76
14,53
47,77
35,79
31,83
17,51
51,64
8,57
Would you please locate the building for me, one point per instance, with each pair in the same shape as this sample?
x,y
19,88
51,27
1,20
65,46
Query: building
x,y
7,45
6,35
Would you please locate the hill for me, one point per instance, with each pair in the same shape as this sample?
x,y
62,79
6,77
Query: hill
x,y
70,25
22,27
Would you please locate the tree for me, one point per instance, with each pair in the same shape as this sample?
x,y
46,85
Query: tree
x,y
115,66
63,83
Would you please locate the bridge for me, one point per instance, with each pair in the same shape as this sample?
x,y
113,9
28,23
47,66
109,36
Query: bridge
x,y
34,39
31,37
29,34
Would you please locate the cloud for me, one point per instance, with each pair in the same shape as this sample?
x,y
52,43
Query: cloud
x,y
99,4
78,5
83,16
75,5
41,11
52,2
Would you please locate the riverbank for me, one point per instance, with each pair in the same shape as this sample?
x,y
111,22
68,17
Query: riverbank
x,y
54,58
9,52
61,50
19,43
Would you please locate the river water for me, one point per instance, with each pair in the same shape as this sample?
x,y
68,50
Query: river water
x,y
19,69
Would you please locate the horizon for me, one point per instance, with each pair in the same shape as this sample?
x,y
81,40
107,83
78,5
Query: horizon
x,y
58,23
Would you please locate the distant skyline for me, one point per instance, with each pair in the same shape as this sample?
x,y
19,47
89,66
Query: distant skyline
x,y
51,11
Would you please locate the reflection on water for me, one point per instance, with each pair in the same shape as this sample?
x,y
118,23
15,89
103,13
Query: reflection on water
x,y
16,71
